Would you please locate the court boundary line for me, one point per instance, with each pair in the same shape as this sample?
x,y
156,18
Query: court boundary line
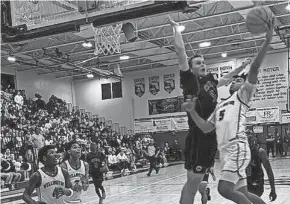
x,y
140,187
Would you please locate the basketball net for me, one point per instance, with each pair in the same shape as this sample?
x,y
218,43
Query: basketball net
x,y
107,39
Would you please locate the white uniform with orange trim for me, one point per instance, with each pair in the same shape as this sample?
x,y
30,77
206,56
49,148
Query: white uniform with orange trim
x,y
230,122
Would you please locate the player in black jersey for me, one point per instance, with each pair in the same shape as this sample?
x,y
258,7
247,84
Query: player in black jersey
x,y
255,174
97,167
195,82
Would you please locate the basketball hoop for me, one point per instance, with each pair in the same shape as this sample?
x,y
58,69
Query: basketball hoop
x,y
107,39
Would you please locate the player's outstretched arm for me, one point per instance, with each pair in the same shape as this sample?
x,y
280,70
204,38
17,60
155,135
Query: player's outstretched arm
x,y
266,163
229,77
179,46
33,183
204,125
254,69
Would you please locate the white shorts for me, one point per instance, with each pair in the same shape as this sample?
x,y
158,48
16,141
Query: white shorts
x,y
235,160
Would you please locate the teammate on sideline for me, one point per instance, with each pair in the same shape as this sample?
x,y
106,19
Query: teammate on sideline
x,y
97,167
228,120
77,170
51,182
199,150
255,174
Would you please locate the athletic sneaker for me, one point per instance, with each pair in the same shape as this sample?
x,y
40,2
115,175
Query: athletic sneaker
x,y
101,201
208,193
157,170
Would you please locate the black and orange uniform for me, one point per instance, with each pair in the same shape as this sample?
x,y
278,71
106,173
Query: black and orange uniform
x,y
200,148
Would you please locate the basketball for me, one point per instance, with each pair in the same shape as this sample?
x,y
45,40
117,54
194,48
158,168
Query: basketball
x,y
257,20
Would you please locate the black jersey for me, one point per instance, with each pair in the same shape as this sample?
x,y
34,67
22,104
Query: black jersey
x,y
204,88
97,163
255,174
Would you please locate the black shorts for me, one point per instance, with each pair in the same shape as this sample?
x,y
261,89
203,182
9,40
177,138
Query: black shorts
x,y
200,150
97,176
257,189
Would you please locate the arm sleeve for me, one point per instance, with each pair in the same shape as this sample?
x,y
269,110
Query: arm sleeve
x,y
246,92
189,83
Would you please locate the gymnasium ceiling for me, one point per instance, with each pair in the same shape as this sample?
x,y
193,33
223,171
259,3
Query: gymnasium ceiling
x,y
220,22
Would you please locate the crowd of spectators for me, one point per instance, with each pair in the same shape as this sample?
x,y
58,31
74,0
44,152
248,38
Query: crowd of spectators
x,y
29,124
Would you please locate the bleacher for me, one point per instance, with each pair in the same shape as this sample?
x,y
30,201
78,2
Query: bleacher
x,y
59,122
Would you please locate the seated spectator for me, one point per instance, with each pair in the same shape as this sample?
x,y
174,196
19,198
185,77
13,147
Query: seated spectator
x,y
176,150
131,156
113,162
124,162
167,150
8,173
161,159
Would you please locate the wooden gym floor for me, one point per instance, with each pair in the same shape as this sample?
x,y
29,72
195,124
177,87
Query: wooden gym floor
x,y
165,187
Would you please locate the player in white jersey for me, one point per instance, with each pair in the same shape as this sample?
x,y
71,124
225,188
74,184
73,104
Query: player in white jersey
x,y
77,170
228,120
51,182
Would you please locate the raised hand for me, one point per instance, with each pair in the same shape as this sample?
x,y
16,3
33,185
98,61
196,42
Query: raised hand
x,y
272,196
247,62
189,104
172,22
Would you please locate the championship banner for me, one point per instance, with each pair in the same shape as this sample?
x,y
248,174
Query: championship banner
x,y
268,115
169,82
154,85
139,86
143,126
180,123
162,124
161,106
285,119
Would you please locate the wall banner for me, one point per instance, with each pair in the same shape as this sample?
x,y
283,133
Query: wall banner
x,y
161,106
169,82
180,123
143,126
154,85
162,124
251,117
285,118
139,86
268,115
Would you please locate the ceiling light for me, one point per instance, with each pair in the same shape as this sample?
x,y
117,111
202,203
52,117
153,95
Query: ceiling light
x,y
11,59
90,75
204,44
87,44
288,7
224,54
125,57
180,28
